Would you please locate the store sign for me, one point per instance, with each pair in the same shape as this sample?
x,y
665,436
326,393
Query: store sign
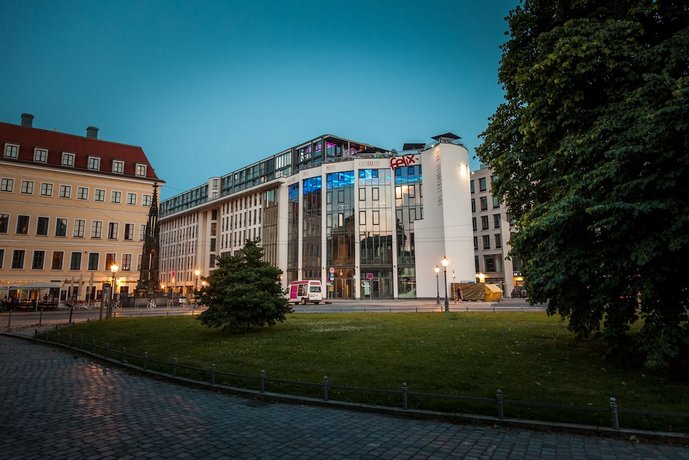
x,y
406,160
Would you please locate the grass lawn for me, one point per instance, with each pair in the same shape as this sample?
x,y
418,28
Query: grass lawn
x,y
529,356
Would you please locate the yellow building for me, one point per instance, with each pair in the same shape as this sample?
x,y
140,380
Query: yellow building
x,y
70,208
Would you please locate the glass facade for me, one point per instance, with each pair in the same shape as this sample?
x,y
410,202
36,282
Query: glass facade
x,y
408,209
340,234
375,232
293,233
311,228
269,239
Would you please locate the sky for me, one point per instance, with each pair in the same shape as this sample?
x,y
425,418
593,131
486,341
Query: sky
x,y
206,87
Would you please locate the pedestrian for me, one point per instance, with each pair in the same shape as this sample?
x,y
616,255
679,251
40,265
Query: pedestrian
x,y
459,294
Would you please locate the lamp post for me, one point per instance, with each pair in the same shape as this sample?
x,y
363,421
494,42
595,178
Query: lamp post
x,y
197,272
114,268
437,289
445,262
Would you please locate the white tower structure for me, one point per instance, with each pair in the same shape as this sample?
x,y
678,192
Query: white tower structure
x,y
445,230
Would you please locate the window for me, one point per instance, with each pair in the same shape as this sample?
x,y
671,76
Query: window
x,y
131,198
375,193
140,170
96,229
38,260
362,193
18,259
484,222
2,258
61,227
473,223
42,226
40,155
112,230
82,193
471,184
99,195
476,243
93,260
484,203
75,261
362,217
46,189
146,200
126,262
116,197
376,217
6,185
109,260
496,220
498,240
12,151
65,191
118,166
4,222
496,202
142,232
486,241
58,257
23,225
94,163
27,187
128,231
79,228
473,205
482,184
68,159
490,263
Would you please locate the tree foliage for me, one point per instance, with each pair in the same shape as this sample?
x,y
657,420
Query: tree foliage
x,y
590,152
243,292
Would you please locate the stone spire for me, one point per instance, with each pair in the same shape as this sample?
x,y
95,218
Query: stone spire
x,y
149,281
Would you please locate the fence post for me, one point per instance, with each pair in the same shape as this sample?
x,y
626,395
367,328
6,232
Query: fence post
x,y
124,354
405,396
262,381
174,366
613,414
501,408
213,373
145,360
326,384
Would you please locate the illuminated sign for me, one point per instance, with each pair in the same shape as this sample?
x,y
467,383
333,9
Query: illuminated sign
x,y
406,160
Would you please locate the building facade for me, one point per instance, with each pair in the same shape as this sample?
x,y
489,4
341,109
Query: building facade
x,y
70,208
364,221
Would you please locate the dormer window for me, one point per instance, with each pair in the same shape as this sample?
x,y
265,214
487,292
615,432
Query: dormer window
x,y
11,150
118,166
40,155
94,163
68,159
140,170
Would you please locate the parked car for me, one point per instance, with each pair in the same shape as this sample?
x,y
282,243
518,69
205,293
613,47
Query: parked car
x,y
519,292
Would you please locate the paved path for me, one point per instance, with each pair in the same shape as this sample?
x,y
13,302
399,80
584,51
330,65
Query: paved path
x,y
61,406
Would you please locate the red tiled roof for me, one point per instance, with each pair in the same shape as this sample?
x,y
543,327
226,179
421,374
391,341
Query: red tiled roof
x,y
82,147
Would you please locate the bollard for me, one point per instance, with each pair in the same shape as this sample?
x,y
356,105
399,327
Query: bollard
x,y
124,354
501,408
262,381
71,307
93,344
213,373
40,316
405,396
9,317
35,333
326,385
613,414
174,366
145,360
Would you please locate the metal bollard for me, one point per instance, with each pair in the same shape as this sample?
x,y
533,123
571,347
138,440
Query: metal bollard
x,y
35,333
124,354
613,414
262,381
40,316
213,373
405,396
326,385
145,360
174,366
501,408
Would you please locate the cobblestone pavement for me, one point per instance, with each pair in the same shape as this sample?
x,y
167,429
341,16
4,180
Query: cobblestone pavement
x,y
57,405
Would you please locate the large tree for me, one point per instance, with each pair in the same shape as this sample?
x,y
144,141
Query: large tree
x,y
243,291
590,151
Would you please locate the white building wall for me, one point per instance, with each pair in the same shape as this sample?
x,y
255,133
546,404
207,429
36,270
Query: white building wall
x,y
445,229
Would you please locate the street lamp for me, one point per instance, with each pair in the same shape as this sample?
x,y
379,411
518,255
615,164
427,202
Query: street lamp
x,y
197,272
445,262
437,289
114,268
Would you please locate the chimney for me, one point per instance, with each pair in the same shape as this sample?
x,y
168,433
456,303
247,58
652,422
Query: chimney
x,y
92,132
27,120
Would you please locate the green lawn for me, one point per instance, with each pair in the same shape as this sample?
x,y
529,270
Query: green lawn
x,y
529,356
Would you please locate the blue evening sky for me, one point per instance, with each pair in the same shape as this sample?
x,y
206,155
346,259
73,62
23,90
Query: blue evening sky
x,y
206,87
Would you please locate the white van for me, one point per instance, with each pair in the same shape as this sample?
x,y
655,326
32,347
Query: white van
x,y
305,291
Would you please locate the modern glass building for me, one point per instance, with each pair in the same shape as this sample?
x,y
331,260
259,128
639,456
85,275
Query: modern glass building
x,y
366,221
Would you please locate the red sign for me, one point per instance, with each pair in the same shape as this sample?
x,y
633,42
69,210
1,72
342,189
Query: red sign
x,y
406,160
